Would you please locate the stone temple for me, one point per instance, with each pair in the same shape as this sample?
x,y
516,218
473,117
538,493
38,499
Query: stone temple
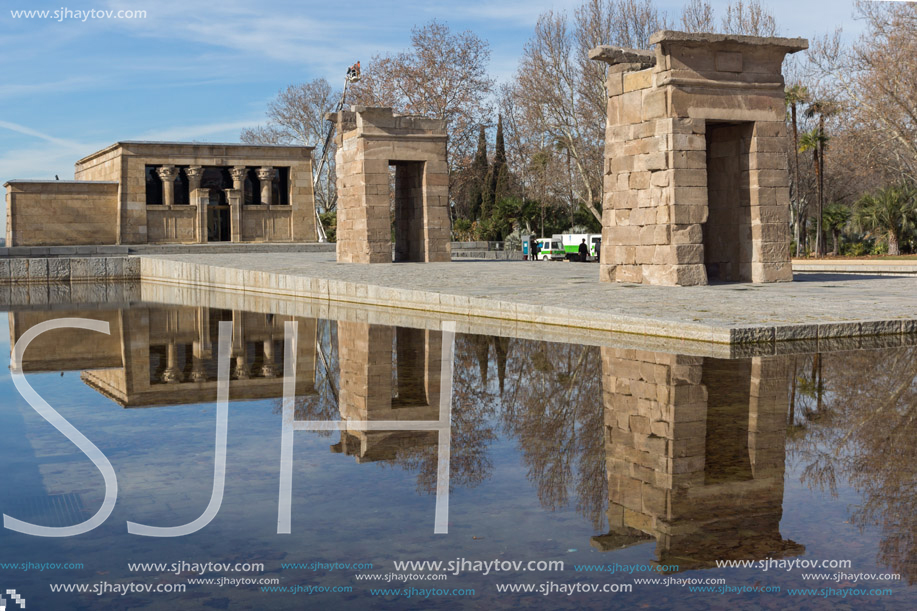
x,y
169,192
696,187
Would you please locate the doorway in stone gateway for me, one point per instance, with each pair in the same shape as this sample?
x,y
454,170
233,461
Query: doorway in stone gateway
x,y
408,231
727,233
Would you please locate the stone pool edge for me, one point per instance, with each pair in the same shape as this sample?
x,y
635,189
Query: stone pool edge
x,y
184,273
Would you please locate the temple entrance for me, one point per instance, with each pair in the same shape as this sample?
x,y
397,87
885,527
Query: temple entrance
x,y
727,232
218,217
409,212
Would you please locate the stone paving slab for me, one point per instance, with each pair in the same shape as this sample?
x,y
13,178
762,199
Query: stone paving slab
x,y
568,294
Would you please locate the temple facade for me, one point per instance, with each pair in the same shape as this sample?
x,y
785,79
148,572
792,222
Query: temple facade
x,y
169,192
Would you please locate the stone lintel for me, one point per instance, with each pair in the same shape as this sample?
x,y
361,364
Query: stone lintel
x,y
788,45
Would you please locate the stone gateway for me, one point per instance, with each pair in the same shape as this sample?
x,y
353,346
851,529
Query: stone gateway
x,y
369,141
695,179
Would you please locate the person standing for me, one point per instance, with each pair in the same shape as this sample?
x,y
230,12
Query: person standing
x,y
583,251
534,249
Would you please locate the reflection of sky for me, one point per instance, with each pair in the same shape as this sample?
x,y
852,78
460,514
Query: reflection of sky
x,y
342,511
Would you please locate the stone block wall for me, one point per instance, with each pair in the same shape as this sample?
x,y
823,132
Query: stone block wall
x,y
41,270
60,213
369,141
695,186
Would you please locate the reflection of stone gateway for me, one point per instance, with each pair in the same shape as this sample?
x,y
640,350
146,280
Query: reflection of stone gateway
x,y
696,183
387,374
695,456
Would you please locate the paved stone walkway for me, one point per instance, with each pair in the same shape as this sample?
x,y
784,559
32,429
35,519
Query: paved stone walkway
x,y
562,293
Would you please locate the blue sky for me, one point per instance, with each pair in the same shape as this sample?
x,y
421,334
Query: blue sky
x,y
196,70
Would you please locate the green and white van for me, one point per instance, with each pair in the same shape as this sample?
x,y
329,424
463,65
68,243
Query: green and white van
x,y
571,242
550,249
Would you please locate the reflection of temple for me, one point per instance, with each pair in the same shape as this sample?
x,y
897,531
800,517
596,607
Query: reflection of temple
x,y
695,456
168,355
390,374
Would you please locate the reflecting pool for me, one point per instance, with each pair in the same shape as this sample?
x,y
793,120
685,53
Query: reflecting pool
x,y
600,475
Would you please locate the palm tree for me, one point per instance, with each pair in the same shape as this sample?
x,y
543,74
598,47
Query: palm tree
x,y
892,211
835,219
795,95
815,141
823,109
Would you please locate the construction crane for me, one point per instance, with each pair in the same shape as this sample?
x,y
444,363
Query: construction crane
x,y
353,76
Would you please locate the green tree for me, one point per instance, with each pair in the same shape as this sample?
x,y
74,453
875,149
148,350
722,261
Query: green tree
x,y
892,211
835,219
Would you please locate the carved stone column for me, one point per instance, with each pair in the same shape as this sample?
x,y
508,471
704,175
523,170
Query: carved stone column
x,y
266,177
269,369
236,198
168,174
240,370
172,374
198,198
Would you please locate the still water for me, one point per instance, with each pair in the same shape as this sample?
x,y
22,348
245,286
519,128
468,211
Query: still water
x,y
589,467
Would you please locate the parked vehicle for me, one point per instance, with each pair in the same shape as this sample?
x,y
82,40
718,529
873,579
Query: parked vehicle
x,y
551,249
571,242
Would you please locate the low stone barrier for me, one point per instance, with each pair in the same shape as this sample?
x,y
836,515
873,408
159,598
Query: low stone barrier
x,y
28,270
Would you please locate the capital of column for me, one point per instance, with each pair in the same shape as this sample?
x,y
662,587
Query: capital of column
x,y
194,174
172,375
197,371
238,173
266,173
240,371
167,173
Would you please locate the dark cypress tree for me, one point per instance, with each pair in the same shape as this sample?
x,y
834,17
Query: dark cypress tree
x,y
500,172
479,169
499,146
487,197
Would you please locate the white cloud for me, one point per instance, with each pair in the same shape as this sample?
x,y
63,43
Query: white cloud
x,y
28,131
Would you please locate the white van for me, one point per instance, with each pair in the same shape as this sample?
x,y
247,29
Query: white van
x,y
550,249
571,242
